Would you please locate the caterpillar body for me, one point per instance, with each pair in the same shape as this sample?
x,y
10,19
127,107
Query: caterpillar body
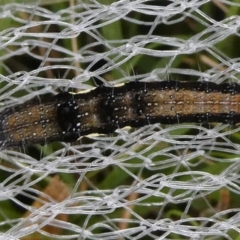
x,y
66,116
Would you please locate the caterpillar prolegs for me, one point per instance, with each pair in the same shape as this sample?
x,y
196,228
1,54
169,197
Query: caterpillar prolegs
x,y
66,116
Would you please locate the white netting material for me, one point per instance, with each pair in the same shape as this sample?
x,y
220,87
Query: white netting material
x,y
173,182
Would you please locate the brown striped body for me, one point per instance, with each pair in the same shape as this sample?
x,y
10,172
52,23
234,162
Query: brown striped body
x,y
66,117
187,102
29,123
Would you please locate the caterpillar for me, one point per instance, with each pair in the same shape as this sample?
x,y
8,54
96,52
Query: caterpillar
x,y
66,117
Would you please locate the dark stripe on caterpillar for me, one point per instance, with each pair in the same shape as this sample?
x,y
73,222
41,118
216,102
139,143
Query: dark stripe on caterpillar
x,y
66,117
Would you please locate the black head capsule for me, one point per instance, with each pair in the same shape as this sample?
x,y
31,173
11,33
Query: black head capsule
x,y
68,116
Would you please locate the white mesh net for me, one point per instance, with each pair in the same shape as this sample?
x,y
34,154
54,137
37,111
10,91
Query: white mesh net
x,y
167,182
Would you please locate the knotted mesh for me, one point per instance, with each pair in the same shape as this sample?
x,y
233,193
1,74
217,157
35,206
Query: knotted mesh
x,y
159,181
